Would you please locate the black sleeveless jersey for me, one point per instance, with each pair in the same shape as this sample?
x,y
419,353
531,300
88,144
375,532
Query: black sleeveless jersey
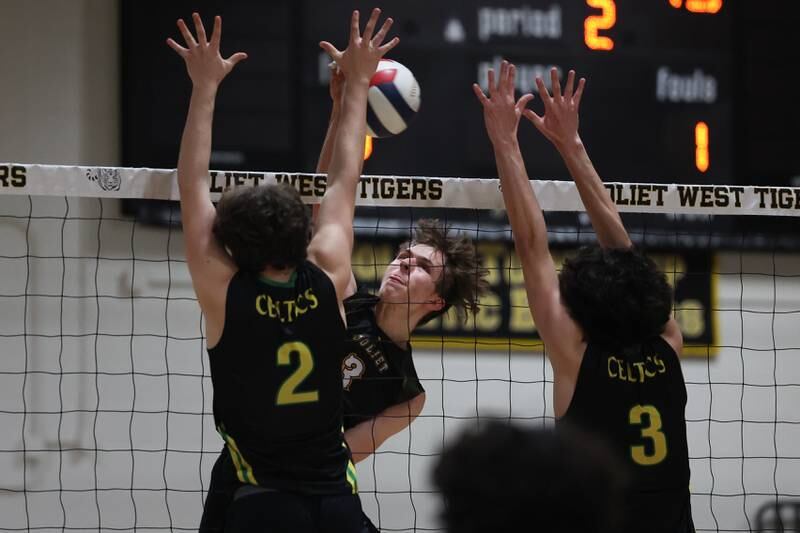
x,y
376,372
635,399
276,373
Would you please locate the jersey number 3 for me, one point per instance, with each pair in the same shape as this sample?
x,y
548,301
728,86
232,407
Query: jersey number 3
x,y
288,394
651,430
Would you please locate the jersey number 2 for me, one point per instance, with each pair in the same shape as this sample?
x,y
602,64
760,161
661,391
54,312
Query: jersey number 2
x,y
651,431
287,394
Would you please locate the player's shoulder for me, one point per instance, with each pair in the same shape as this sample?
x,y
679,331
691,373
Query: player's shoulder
x,y
673,336
314,274
361,298
360,308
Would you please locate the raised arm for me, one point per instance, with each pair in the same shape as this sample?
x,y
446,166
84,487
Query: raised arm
x,y
209,265
560,126
336,89
332,244
501,114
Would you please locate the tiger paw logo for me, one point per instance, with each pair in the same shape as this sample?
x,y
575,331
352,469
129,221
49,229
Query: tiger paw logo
x,y
108,179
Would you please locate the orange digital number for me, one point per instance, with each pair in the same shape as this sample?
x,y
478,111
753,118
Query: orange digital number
x,y
701,157
698,6
594,23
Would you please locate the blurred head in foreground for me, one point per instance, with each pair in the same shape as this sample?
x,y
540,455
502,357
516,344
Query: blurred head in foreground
x,y
505,478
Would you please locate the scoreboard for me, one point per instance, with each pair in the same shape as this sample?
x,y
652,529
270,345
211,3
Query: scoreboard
x,y
675,93
658,105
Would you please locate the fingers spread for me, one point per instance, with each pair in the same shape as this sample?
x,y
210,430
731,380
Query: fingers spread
x,y
388,46
576,100
511,79
331,50
354,27
492,88
479,93
502,84
216,34
235,58
187,35
381,35
371,23
569,85
199,29
533,118
555,83
543,94
178,48
524,101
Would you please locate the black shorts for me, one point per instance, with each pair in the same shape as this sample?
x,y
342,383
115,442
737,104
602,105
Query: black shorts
x,y
221,491
220,494
256,510
659,512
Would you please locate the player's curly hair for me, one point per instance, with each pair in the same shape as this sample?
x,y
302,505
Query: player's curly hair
x,y
503,476
263,226
464,278
617,296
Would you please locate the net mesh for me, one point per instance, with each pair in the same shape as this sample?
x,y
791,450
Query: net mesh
x,y
105,393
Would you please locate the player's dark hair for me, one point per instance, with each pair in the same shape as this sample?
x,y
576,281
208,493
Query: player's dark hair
x,y
505,478
617,296
263,226
464,278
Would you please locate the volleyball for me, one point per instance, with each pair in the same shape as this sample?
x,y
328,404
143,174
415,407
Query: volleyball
x,y
394,99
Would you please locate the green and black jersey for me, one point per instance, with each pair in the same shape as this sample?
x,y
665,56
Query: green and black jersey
x,y
277,383
635,399
376,372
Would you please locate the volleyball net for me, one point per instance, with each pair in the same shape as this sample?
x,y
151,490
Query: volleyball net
x,y
105,392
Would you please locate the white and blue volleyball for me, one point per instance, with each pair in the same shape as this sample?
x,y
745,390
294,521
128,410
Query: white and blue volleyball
x,y
394,99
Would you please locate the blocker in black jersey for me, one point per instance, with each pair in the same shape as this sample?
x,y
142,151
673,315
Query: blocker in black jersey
x,y
635,399
376,372
277,389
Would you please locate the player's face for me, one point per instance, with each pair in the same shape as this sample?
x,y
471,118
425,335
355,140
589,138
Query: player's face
x,y
413,275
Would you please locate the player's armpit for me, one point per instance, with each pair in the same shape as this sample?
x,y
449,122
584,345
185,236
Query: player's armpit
x,y
367,436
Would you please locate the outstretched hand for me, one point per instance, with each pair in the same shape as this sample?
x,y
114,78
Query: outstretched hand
x,y
205,65
560,121
359,60
501,112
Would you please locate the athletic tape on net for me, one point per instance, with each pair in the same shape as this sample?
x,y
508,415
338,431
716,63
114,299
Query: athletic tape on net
x,y
401,191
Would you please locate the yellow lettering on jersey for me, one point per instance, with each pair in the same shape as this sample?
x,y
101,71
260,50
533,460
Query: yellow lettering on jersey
x,y
286,310
274,308
312,299
637,372
612,367
662,368
260,300
622,375
291,309
650,373
640,371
